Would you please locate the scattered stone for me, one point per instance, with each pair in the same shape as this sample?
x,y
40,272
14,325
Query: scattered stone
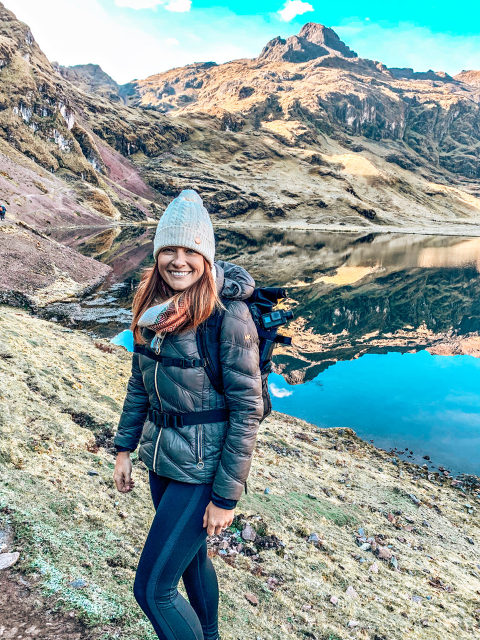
x,y
92,473
8,559
353,623
384,553
252,598
350,592
6,537
272,583
417,598
311,496
267,490
414,499
334,600
248,533
374,567
313,537
78,584
471,540
439,584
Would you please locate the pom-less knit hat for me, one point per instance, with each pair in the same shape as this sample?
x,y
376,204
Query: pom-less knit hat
x,y
186,223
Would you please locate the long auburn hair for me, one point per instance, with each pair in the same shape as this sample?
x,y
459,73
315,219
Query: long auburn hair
x,y
200,299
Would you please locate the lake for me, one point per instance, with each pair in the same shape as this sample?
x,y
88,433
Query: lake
x,y
386,329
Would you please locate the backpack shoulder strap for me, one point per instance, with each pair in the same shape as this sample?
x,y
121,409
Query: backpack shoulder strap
x,y
208,345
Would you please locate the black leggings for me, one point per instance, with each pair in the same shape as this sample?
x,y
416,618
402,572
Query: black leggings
x,y
176,546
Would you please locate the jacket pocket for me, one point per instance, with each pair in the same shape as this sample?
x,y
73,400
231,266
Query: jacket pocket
x,y
199,446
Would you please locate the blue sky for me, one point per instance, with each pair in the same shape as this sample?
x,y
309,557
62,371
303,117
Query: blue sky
x,y
136,38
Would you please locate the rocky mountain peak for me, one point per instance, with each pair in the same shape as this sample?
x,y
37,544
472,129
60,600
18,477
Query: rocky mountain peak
x,y
470,76
313,41
90,78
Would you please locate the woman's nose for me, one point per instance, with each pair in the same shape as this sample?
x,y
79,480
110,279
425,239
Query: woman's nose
x,y
179,258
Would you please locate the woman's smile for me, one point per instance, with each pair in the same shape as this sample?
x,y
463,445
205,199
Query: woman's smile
x,y
180,267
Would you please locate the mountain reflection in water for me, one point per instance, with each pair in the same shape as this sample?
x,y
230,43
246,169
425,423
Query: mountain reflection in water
x,y
352,295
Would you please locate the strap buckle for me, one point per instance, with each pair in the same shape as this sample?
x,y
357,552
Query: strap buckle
x,y
167,419
176,419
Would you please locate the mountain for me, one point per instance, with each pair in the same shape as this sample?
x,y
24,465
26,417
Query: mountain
x,y
312,85
65,151
90,78
469,77
307,134
313,41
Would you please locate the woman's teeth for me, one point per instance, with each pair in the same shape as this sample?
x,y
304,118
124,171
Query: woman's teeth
x,y
179,274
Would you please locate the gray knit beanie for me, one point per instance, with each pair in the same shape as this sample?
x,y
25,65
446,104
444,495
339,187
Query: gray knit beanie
x,y
186,223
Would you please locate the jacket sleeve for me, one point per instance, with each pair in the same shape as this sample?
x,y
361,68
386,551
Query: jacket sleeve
x,y
239,359
134,411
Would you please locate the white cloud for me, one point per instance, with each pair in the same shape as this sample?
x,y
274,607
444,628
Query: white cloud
x,y
139,4
172,42
294,8
61,36
278,392
179,6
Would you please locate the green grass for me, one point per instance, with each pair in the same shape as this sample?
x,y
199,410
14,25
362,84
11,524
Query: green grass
x,y
280,508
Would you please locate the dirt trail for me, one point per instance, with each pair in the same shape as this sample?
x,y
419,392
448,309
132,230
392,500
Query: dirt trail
x,y
24,615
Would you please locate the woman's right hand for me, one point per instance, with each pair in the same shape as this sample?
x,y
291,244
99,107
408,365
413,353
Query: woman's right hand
x,y
122,474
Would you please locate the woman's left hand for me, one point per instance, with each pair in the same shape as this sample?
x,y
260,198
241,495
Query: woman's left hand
x,y
216,519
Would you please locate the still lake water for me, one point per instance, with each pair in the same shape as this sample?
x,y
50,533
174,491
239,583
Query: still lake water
x,y
367,308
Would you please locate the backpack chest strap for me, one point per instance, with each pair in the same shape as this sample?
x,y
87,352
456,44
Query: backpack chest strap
x,y
183,363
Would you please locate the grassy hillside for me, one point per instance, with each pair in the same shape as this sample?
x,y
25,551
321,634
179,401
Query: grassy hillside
x,y
304,576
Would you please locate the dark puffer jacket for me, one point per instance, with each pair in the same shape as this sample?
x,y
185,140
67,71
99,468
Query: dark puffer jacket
x,y
218,452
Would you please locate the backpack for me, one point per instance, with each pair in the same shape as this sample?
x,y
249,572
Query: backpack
x,y
267,321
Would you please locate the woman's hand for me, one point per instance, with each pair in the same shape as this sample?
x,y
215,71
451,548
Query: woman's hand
x,y
122,474
216,519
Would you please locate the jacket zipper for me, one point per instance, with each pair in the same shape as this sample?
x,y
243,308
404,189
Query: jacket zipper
x,y
160,431
200,463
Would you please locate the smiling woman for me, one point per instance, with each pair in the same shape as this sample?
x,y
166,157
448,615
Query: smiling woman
x,y
196,441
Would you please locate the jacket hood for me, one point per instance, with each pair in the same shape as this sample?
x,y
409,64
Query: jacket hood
x,y
233,281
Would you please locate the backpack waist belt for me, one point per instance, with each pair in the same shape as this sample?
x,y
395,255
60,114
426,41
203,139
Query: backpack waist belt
x,y
184,419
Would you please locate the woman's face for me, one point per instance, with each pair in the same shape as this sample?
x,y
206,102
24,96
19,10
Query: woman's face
x,y
180,267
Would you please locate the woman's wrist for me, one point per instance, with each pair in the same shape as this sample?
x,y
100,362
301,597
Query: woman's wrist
x,y
223,503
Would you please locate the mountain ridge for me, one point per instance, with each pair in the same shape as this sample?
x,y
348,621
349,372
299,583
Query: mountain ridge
x,y
333,142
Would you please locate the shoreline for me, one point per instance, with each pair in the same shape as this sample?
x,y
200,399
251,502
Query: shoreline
x,y
469,230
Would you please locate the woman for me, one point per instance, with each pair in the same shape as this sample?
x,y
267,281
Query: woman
x,y
197,470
